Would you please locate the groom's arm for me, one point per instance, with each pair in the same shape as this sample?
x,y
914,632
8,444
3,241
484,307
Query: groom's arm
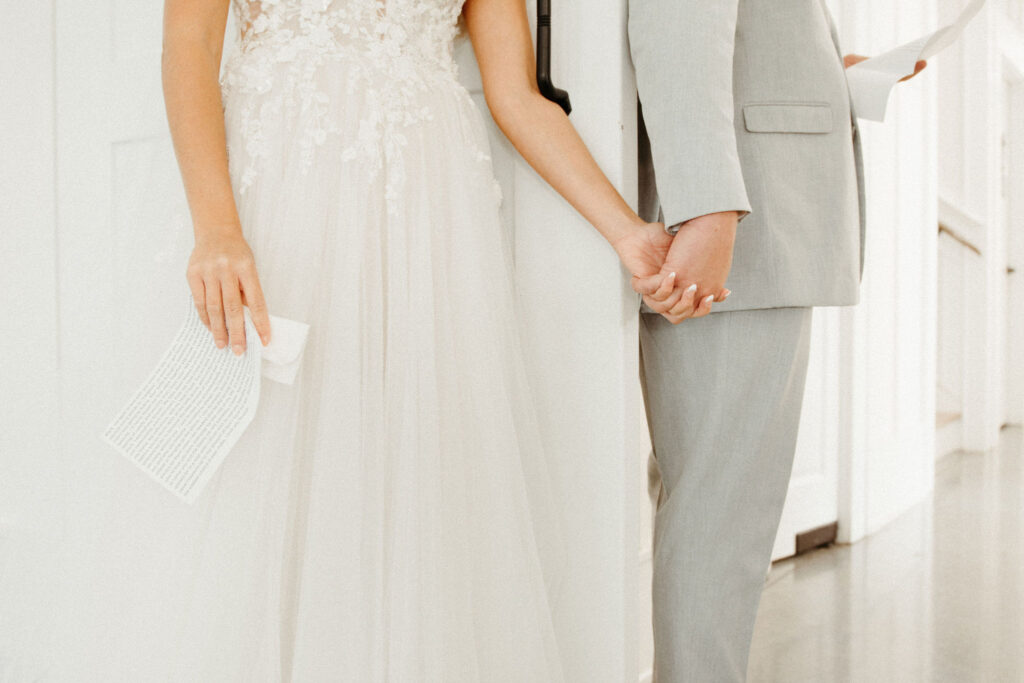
x,y
682,52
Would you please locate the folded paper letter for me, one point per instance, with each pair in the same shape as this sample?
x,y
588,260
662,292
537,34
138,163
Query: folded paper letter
x,y
872,80
198,400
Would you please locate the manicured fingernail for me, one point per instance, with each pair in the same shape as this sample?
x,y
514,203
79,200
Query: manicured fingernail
x,y
221,343
709,298
726,293
691,289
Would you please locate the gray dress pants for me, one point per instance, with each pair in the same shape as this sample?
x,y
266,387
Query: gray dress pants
x,y
723,396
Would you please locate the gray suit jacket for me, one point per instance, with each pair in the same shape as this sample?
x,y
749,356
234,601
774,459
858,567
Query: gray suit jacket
x,y
745,106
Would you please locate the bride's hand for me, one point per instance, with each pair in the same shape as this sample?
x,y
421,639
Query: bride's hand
x,y
222,276
643,250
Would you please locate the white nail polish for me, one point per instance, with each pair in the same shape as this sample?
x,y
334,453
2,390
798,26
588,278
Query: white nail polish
x,y
709,298
692,288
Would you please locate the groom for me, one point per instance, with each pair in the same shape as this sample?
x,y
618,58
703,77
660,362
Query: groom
x,y
746,127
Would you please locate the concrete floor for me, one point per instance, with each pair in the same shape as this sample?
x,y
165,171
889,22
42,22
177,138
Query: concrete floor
x,y
936,595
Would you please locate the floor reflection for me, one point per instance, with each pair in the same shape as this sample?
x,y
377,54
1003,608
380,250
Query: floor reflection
x,y
936,595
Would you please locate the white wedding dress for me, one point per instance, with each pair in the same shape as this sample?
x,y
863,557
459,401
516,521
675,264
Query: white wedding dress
x,y
386,517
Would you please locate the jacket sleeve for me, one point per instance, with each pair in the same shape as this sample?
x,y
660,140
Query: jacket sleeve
x,y
682,53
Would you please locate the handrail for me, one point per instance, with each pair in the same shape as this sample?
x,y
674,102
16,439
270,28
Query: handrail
x,y
943,228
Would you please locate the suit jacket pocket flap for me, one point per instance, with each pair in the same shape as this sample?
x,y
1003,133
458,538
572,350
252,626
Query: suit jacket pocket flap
x,y
788,117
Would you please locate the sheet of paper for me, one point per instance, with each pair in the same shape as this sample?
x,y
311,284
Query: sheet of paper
x,y
198,400
282,356
872,80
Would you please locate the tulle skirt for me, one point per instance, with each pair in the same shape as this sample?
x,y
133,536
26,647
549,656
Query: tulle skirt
x,y
388,516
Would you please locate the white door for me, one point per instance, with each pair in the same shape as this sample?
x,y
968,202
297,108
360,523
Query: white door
x,y
812,500
118,195
583,350
123,251
30,514
1013,226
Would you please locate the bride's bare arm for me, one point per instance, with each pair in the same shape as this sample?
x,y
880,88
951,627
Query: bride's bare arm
x,y
221,271
537,127
543,134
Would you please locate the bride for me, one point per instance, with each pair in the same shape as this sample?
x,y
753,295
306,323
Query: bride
x,y
378,520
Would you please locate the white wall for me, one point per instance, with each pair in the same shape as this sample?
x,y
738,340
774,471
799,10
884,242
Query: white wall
x,y
30,512
979,198
979,187
888,347
28,301
937,158
1013,217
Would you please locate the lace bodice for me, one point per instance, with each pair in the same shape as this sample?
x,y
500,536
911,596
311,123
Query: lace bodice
x,y
393,51
418,30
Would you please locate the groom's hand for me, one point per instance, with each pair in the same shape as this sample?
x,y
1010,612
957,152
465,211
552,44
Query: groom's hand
x,y
700,257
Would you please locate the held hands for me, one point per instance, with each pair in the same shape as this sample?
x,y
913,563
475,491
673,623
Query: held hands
x,y
222,276
680,277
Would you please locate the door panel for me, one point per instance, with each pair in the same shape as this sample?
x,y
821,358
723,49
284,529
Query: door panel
x,y
812,499
30,494
119,201
581,340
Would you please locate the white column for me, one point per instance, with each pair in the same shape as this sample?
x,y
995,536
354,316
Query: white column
x,y
985,338
887,444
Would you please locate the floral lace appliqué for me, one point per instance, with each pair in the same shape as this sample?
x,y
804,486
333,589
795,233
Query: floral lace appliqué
x,y
394,51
